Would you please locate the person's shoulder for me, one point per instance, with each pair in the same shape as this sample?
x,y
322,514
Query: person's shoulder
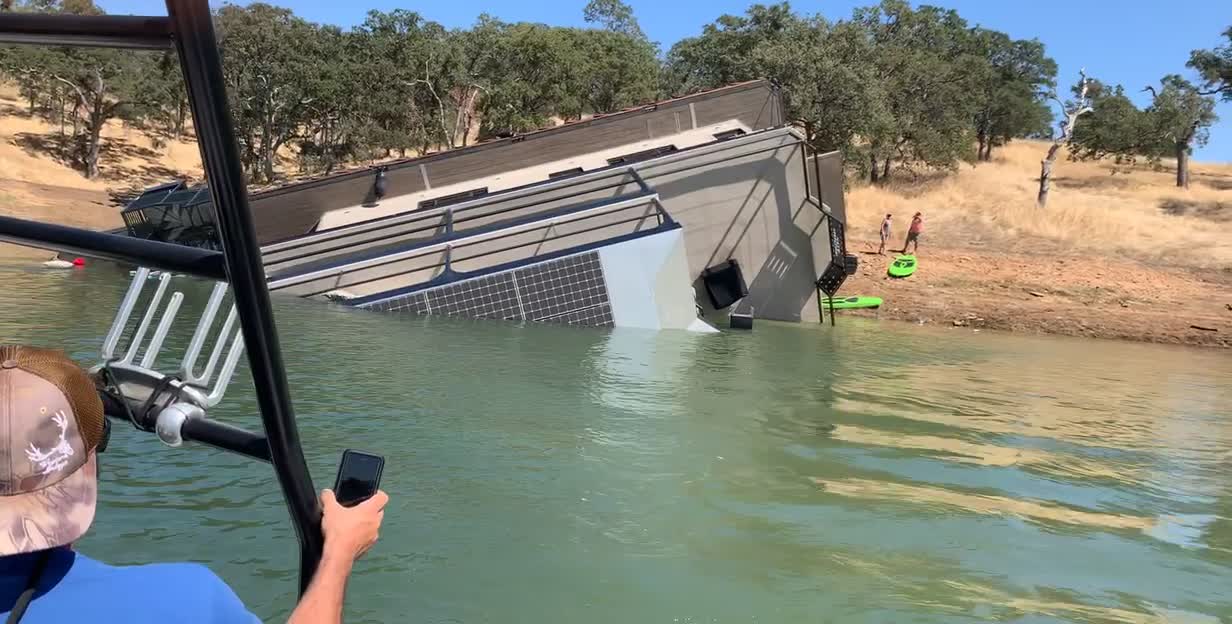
x,y
213,595
192,588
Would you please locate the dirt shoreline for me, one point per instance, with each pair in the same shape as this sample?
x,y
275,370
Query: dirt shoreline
x,y
1070,295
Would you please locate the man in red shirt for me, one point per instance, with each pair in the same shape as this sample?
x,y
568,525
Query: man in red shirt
x,y
913,233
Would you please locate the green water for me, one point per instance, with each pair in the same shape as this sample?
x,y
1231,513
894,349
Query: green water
x,y
866,473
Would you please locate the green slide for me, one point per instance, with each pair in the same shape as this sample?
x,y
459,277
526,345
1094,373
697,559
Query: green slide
x,y
847,303
902,266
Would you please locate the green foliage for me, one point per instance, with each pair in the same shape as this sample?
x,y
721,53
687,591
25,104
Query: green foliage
x,y
1179,115
1009,89
1215,67
725,51
1177,120
273,62
613,15
891,86
1115,127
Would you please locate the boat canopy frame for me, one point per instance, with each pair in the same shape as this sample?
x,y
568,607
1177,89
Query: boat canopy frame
x,y
188,29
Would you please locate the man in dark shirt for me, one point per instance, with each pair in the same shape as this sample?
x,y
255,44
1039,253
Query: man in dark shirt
x,y
51,427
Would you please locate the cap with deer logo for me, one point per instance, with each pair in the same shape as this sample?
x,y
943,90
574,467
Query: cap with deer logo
x,y
51,422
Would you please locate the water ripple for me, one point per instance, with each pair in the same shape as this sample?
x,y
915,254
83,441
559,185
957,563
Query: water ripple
x,y
866,472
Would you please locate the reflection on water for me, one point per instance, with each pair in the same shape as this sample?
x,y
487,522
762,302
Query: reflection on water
x,y
865,473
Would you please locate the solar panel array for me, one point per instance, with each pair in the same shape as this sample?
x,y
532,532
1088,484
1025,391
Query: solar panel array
x,y
569,290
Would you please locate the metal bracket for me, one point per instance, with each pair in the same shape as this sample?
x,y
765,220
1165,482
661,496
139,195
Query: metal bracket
x,y
137,381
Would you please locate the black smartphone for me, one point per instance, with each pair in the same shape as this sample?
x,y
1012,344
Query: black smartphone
x,y
359,476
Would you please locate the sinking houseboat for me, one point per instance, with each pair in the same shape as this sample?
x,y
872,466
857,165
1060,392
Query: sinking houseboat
x,y
698,207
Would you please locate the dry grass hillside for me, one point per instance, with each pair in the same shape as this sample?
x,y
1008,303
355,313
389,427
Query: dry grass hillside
x,y
37,180
1116,254
1095,207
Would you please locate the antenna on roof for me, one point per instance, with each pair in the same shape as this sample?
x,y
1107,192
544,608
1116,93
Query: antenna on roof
x,y
378,189
378,185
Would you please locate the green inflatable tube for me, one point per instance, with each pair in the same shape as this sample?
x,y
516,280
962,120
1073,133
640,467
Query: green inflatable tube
x,y
902,266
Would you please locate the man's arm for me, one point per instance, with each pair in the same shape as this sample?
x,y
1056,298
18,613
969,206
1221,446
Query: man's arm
x,y
322,603
349,533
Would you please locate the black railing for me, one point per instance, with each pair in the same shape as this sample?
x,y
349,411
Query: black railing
x,y
189,29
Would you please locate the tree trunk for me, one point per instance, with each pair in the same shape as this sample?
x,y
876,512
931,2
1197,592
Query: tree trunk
x,y
885,170
983,145
267,167
94,132
873,172
180,115
1182,164
1046,176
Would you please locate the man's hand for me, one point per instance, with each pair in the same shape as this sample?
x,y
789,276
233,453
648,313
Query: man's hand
x,y
351,531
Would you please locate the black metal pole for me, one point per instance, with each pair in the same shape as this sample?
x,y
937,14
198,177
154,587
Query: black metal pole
x,y
109,31
821,316
154,254
195,42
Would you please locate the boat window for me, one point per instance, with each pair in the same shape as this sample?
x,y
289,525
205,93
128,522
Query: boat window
x,y
446,200
566,173
642,155
729,134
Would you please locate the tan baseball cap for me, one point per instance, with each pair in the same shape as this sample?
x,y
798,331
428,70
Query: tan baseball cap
x,y
51,423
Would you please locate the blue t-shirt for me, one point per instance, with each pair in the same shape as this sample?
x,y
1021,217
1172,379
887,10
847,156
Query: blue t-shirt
x,y
75,588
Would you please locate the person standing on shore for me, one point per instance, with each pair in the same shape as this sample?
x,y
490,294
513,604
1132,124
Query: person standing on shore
x,y
885,233
913,233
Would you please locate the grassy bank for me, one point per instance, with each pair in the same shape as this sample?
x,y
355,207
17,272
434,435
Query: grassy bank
x,y
1116,254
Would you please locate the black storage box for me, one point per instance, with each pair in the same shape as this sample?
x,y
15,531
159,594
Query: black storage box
x,y
725,284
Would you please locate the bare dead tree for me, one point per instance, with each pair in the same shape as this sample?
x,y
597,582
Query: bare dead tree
x,y
1071,113
440,105
464,98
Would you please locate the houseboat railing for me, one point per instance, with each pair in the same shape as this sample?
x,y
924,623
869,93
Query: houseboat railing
x,y
334,278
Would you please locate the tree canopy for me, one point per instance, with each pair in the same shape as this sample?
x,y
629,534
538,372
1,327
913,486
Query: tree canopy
x,y
891,85
1175,122
396,83
1215,67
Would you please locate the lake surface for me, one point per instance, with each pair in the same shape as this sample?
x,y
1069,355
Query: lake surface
x,y
872,472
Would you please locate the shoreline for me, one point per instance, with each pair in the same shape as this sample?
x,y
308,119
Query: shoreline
x,y
972,289
1068,295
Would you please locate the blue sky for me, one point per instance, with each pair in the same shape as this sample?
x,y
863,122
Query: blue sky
x,y
1131,42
